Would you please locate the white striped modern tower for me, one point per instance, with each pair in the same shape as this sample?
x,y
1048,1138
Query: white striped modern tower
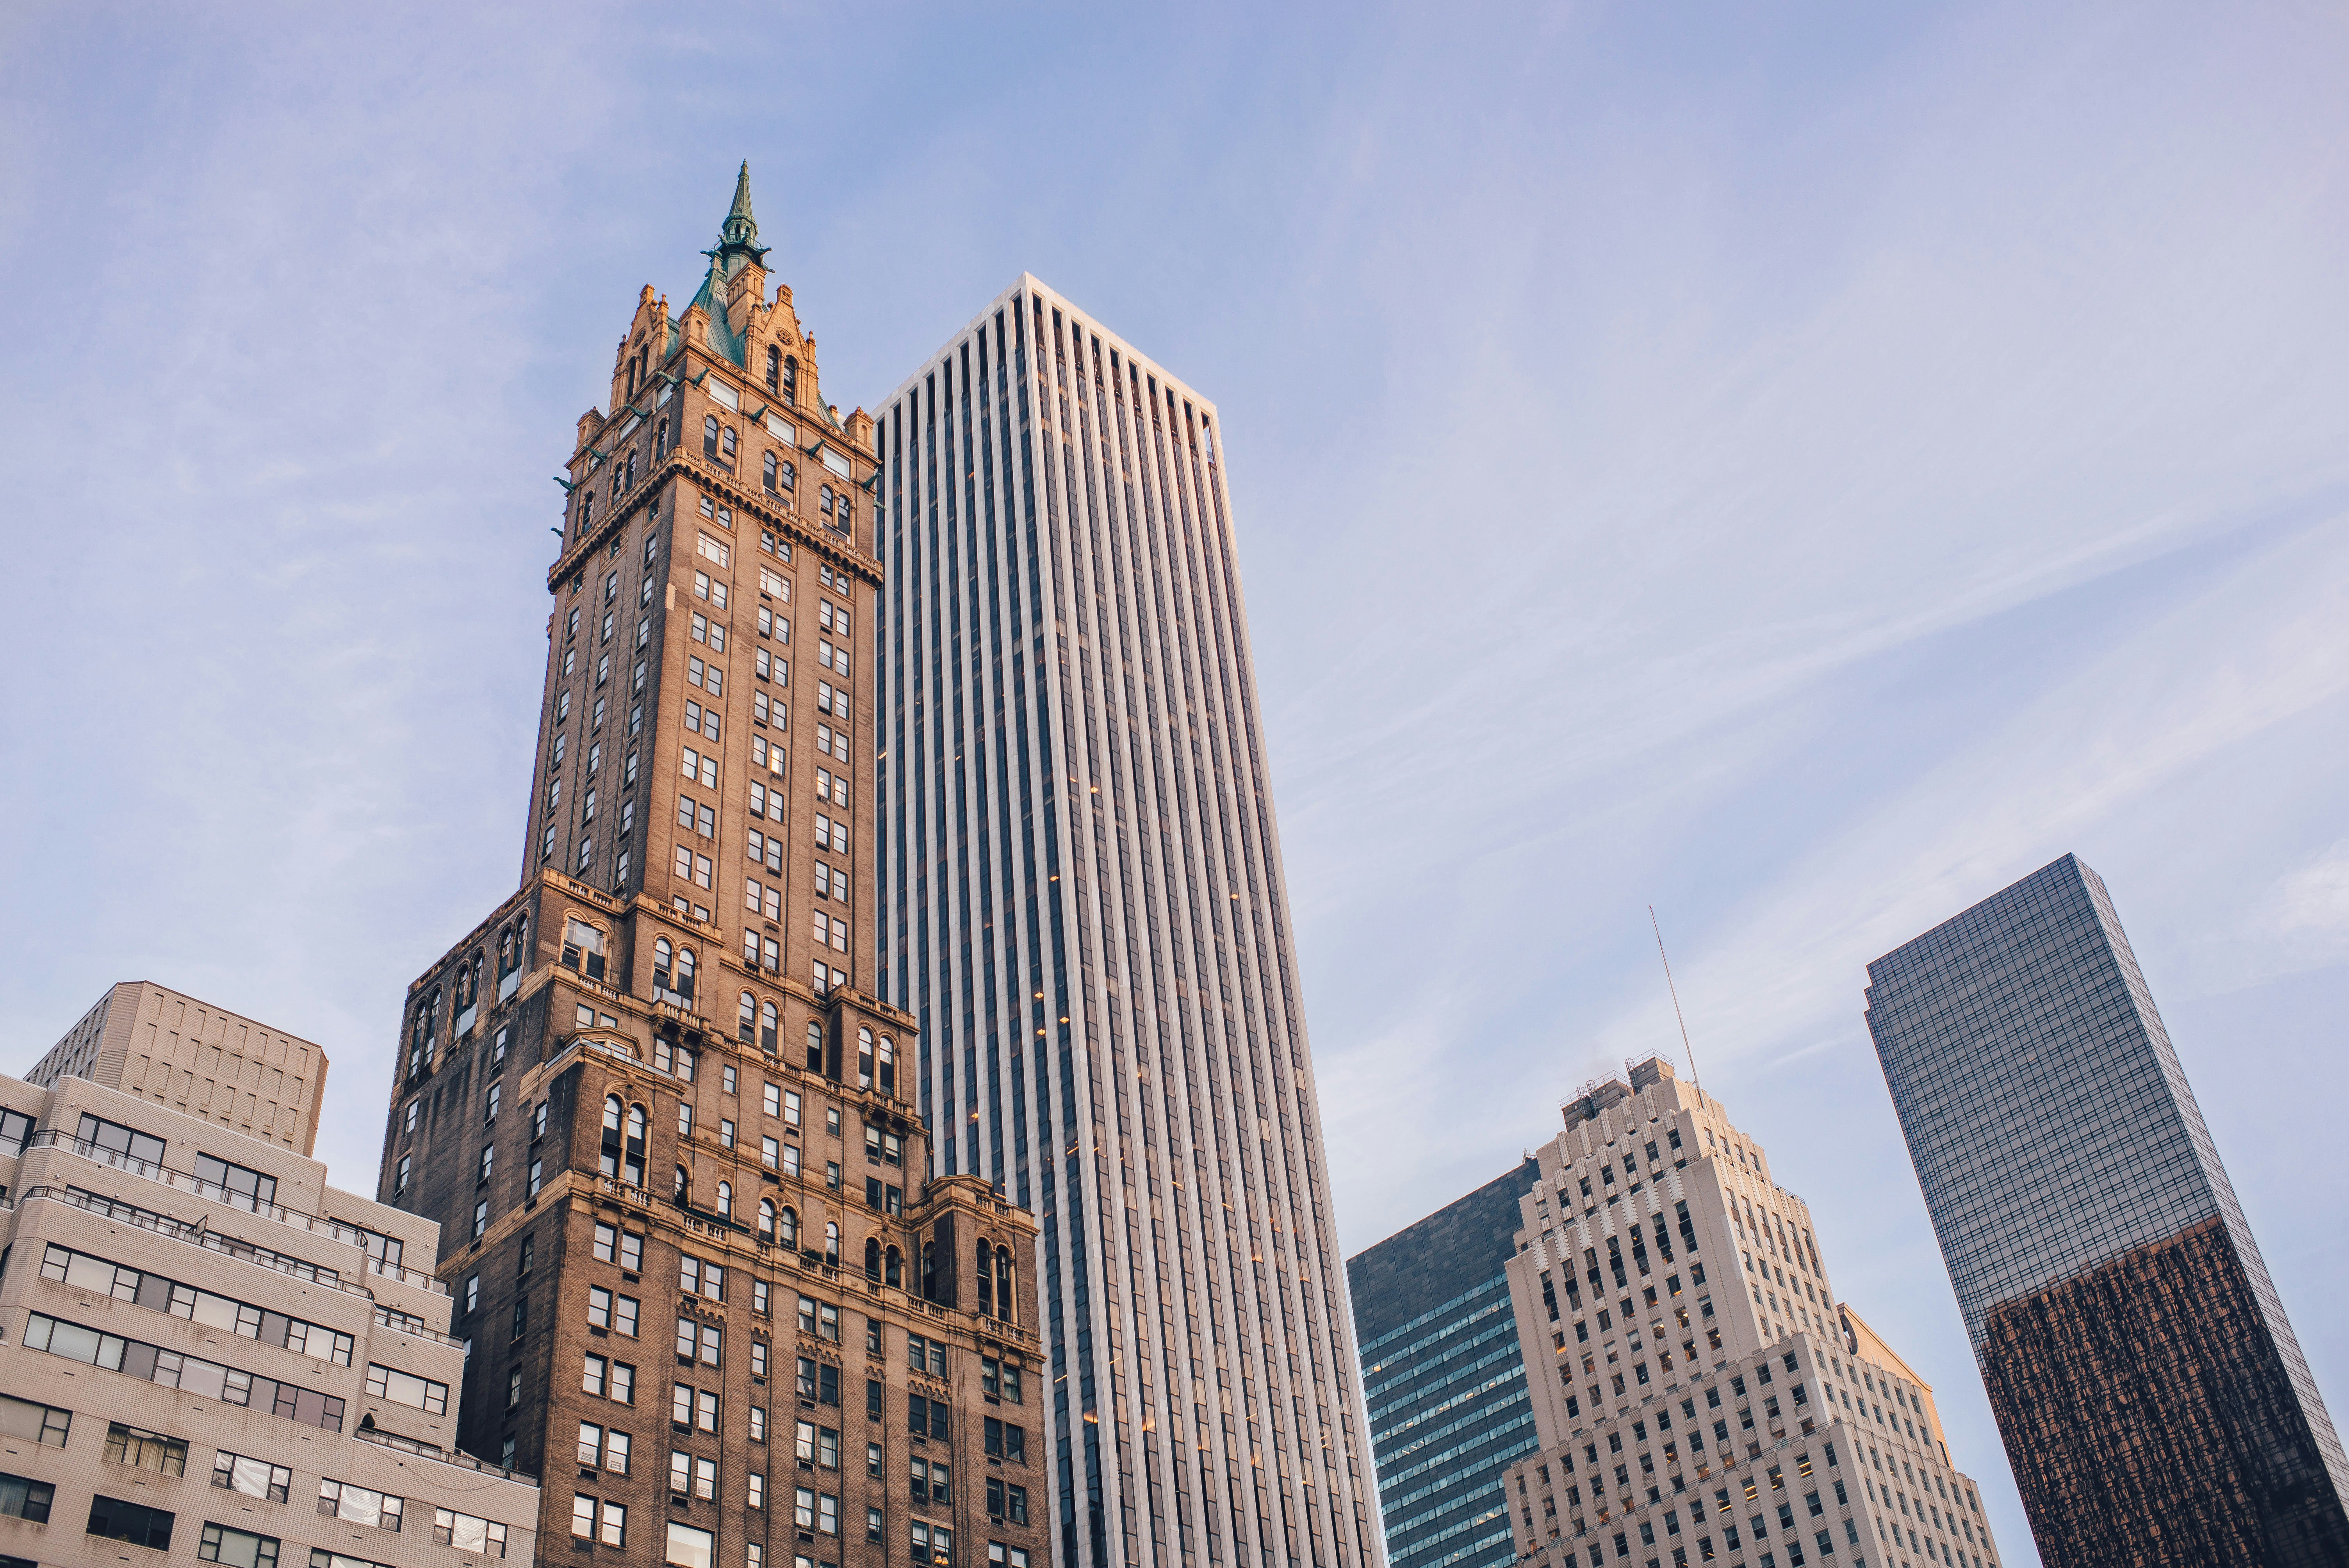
x,y
1084,903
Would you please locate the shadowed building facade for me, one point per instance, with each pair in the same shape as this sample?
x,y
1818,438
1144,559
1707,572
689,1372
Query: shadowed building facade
x,y
706,1282
2154,1402
1442,1376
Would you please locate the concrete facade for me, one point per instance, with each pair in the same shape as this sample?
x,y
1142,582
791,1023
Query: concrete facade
x,y
1699,1394
189,1055
688,1214
208,1354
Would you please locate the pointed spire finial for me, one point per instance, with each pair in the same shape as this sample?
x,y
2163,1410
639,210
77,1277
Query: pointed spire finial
x,y
738,236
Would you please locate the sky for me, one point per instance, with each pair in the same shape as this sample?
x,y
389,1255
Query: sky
x,y
1799,467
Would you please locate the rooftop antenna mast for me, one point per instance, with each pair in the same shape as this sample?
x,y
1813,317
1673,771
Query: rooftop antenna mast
x,y
1681,1018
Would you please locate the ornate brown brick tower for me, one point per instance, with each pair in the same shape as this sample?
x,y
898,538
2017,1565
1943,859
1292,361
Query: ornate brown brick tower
x,y
708,1291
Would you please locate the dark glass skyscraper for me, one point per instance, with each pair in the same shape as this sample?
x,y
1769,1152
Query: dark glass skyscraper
x,y
1444,1378
2155,1404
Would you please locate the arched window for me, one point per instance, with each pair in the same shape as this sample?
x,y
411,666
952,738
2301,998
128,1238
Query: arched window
x,y
786,1228
664,961
831,1243
684,1184
710,436
792,381
864,1059
893,1268
726,1199
815,1045
872,1257
683,986
613,1110
632,1162
725,445
767,1019
774,370
628,481
888,1066
420,1035
929,1270
766,1218
660,438
1003,1283
748,1019
824,503
790,473
986,1278
767,473
587,510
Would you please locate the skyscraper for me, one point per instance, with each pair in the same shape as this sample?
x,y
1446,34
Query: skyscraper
x,y
1699,1394
1442,1376
706,1280
1082,904
2154,1401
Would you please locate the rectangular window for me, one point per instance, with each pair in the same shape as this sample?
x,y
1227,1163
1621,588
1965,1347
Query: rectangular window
x,y
406,1389
117,1520
237,1548
254,1477
146,1450
22,1496
43,1424
380,1510
468,1533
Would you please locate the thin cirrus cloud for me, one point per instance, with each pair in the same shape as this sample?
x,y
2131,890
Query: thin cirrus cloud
x,y
1802,471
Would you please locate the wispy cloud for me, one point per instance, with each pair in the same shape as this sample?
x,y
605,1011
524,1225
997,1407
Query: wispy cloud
x,y
1798,469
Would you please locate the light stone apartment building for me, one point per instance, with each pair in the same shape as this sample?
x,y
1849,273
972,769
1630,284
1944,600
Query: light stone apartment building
x,y
175,1050
208,1354
1699,1394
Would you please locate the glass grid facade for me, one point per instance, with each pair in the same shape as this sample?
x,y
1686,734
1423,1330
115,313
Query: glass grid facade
x,y
1084,903
2096,1244
1445,1377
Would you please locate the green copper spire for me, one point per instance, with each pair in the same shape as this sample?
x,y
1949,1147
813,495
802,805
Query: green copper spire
x,y
739,235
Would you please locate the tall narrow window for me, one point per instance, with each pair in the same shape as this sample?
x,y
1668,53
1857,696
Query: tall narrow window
x,y
767,474
774,370
792,381
710,436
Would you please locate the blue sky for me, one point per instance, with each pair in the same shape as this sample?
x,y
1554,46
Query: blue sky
x,y
1802,467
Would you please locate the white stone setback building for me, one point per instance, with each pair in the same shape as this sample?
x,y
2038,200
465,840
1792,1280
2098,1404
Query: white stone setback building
x,y
207,1355
1699,1394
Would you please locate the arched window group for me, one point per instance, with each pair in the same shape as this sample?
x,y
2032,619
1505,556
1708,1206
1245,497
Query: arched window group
x,y
469,995
623,1156
582,948
887,1265
423,1034
672,972
512,945
993,1267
